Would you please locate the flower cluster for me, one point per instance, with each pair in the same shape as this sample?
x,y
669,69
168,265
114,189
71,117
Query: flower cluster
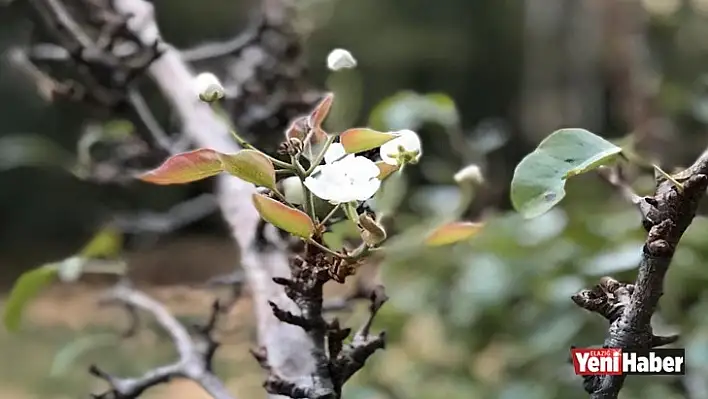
x,y
346,177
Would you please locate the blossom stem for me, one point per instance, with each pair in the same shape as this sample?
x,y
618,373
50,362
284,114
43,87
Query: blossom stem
x,y
243,143
324,248
281,197
329,215
320,156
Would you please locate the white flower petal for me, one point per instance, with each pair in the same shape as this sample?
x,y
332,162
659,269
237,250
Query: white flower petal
x,y
335,152
318,187
368,189
363,168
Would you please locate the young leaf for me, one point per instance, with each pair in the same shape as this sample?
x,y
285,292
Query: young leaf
x,y
385,169
319,114
363,139
539,179
107,243
284,217
251,166
452,233
185,168
25,288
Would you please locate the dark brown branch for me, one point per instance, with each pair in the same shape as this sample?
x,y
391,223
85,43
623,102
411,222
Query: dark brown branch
x,y
629,308
195,351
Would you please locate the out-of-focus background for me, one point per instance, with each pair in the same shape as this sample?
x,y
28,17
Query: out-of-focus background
x,y
483,82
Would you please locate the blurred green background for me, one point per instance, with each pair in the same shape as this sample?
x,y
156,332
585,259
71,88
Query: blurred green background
x,y
491,319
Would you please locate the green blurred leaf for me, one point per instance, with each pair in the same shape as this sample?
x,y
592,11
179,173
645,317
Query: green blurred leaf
x,y
107,243
26,287
451,233
118,129
69,353
32,150
410,110
539,179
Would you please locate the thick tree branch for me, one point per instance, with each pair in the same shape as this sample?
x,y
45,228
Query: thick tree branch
x,y
195,353
288,346
629,308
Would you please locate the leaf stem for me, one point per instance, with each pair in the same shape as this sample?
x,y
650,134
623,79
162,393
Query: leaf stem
x,y
320,156
324,248
329,215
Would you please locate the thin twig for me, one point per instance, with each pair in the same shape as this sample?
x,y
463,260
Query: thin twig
x,y
195,353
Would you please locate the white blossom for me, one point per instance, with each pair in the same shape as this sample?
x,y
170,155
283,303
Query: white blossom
x,y
340,59
406,148
344,177
470,173
208,87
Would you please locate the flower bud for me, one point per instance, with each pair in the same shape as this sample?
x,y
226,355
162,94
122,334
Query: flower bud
x,y
340,59
208,87
70,270
292,190
372,232
470,173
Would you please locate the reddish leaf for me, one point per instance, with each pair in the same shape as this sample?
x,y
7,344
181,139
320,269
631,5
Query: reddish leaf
x,y
319,114
186,167
363,139
385,169
284,217
453,232
297,129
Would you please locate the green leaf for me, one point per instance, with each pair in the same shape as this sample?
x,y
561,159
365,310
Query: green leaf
x,y
67,355
107,243
185,168
363,139
251,166
284,217
451,233
26,287
539,179
32,150
410,110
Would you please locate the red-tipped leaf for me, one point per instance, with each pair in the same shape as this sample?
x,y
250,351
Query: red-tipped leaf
x,y
363,139
185,168
284,217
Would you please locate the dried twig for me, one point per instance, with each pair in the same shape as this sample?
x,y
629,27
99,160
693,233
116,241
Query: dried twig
x,y
195,352
629,307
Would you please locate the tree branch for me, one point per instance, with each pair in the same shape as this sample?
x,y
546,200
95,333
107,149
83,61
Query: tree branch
x,y
629,308
288,346
195,354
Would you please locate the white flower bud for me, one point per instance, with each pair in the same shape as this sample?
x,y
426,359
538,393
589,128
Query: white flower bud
x,y
70,270
471,173
340,59
292,190
208,87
